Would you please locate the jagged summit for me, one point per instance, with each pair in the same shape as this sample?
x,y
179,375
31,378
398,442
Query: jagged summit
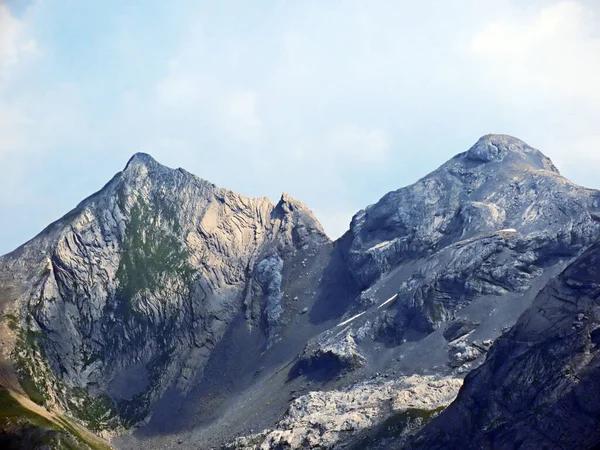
x,y
291,203
501,147
288,205
140,158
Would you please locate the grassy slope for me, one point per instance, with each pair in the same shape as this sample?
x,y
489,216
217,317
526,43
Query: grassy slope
x,y
25,425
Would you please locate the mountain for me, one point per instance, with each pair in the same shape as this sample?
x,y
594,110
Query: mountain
x,y
131,291
199,318
540,383
445,266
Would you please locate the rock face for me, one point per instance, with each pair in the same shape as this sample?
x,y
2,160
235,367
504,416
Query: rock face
x,y
197,315
141,281
540,385
500,183
495,148
329,420
327,357
488,222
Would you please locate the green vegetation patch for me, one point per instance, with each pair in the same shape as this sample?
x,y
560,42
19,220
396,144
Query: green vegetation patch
x,y
98,413
11,321
11,410
151,250
23,428
31,343
31,389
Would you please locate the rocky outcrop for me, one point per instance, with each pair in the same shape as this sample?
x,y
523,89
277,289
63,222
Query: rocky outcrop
x,y
332,420
141,281
325,356
268,273
487,223
499,184
495,148
540,384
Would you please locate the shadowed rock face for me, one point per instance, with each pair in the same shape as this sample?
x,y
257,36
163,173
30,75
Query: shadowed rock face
x,y
166,301
540,384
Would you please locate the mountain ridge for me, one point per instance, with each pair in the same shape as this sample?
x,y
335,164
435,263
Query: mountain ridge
x,y
138,300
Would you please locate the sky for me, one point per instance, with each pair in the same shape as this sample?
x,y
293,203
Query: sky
x,y
335,103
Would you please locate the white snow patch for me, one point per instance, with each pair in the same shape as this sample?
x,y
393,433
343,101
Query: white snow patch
x,y
342,332
381,245
345,322
508,230
389,300
462,339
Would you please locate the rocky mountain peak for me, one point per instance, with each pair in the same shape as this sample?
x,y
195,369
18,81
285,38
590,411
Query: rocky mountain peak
x,y
140,159
300,214
499,183
132,310
289,203
501,147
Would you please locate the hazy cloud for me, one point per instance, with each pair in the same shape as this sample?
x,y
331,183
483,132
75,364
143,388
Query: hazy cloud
x,y
556,50
357,144
13,42
333,102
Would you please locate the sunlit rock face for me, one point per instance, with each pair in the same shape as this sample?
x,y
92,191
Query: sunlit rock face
x,y
131,291
334,419
498,147
500,183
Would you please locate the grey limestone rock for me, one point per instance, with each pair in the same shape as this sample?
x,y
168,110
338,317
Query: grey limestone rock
x,y
333,420
495,148
329,354
145,276
540,384
489,222
269,274
166,279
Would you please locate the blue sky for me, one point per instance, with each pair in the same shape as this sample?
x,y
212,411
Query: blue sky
x,y
334,102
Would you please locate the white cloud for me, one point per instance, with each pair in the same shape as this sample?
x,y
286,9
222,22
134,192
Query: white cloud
x,y
556,51
12,129
343,146
13,42
179,91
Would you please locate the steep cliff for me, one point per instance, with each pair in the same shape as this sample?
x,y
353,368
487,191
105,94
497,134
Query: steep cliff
x,y
198,317
131,291
540,384
464,251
